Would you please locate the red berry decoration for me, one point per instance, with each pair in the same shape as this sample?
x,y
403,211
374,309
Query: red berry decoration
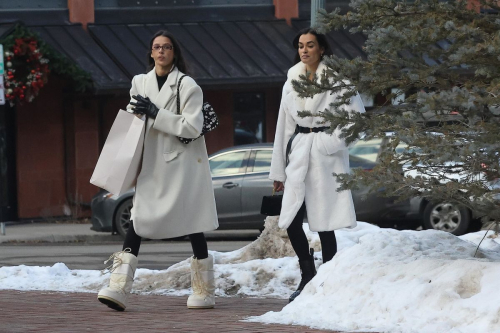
x,y
28,71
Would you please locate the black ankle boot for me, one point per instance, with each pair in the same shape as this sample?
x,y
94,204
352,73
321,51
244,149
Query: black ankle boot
x,y
307,272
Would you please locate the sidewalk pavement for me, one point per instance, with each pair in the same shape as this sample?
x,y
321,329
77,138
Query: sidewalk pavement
x,y
80,232
49,311
41,311
54,232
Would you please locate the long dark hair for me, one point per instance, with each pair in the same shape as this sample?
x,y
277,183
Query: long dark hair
x,y
178,59
323,43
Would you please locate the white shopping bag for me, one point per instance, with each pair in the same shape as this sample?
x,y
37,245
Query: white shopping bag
x,y
120,160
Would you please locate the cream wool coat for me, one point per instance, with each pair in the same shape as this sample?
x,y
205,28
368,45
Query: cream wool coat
x,y
312,160
174,195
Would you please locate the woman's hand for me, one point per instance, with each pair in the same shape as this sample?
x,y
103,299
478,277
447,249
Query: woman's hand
x,y
278,186
144,106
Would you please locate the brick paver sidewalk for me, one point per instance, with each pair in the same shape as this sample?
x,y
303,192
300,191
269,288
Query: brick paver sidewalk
x,y
43,311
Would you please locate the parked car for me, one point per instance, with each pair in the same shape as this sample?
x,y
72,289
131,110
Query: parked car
x,y
240,180
445,216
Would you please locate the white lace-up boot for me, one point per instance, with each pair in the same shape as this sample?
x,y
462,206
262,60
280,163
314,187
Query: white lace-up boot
x,y
120,283
202,283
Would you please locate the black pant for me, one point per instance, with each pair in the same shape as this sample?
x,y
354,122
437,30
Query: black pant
x,y
198,243
299,240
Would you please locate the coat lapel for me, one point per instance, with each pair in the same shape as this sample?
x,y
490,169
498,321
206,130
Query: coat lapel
x,y
313,103
168,91
163,96
308,104
151,85
293,74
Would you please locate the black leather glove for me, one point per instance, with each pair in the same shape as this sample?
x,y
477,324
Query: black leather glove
x,y
145,106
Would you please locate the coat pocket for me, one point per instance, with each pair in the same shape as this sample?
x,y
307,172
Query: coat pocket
x,y
328,144
171,155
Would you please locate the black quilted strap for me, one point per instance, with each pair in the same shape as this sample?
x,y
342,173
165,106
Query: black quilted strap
x,y
289,144
179,94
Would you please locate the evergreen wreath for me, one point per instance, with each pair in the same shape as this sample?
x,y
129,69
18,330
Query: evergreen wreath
x,y
26,70
28,62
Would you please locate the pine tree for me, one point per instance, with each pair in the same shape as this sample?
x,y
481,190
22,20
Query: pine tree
x,y
442,61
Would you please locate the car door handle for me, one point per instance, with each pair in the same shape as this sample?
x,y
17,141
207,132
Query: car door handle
x,y
230,185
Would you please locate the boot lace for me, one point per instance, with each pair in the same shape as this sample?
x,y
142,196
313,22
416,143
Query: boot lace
x,y
198,285
115,263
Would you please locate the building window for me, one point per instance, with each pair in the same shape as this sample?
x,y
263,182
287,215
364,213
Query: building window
x,y
248,116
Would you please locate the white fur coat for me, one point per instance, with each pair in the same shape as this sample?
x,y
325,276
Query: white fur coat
x,y
313,159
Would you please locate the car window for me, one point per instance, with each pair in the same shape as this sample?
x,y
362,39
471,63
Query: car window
x,y
366,149
401,148
227,164
262,161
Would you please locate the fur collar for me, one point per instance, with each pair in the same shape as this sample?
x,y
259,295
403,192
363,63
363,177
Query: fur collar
x,y
300,69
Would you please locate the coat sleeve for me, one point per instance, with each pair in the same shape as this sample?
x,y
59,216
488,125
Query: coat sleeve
x,y
133,91
189,123
284,130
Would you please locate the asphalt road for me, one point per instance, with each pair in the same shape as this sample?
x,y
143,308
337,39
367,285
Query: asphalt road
x,y
152,255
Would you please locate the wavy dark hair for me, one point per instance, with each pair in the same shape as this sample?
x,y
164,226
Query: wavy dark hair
x,y
178,58
319,37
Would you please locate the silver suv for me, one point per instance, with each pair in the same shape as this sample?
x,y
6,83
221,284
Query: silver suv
x,y
240,177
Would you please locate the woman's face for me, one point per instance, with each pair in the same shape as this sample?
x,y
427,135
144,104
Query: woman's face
x,y
162,51
309,50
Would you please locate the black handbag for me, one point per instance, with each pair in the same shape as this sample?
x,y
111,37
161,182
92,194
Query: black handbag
x,y
271,205
210,120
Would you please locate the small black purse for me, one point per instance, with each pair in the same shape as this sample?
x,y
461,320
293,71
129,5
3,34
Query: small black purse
x,y
271,205
210,120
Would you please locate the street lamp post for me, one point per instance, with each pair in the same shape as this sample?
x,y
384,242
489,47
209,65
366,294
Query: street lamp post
x,y
315,6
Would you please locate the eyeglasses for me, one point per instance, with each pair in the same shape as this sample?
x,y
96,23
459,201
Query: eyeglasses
x,y
166,47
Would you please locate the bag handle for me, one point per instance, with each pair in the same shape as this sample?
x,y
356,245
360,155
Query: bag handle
x,y
179,94
289,144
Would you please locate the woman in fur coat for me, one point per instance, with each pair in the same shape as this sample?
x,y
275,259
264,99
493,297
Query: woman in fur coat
x,y
305,175
174,195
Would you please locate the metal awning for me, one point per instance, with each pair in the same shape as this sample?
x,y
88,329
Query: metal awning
x,y
217,53
220,53
73,42
79,47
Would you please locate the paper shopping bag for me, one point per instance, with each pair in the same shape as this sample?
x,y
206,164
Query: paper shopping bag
x,y
119,163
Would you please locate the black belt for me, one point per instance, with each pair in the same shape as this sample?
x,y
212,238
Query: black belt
x,y
300,129
312,129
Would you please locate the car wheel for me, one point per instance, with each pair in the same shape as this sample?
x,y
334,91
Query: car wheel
x,y
446,216
122,217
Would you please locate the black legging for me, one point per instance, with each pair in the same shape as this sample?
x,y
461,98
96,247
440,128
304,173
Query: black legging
x,y
198,243
299,240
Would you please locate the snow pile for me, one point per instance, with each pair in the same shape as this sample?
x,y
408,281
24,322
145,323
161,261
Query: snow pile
x,y
402,281
381,280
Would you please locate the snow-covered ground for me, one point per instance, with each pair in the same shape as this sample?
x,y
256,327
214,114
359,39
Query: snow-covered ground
x,y
381,280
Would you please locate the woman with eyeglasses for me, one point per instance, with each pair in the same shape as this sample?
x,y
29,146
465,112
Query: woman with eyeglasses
x,y
174,195
304,158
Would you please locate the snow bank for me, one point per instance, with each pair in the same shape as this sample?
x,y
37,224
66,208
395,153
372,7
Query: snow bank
x,y
381,280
